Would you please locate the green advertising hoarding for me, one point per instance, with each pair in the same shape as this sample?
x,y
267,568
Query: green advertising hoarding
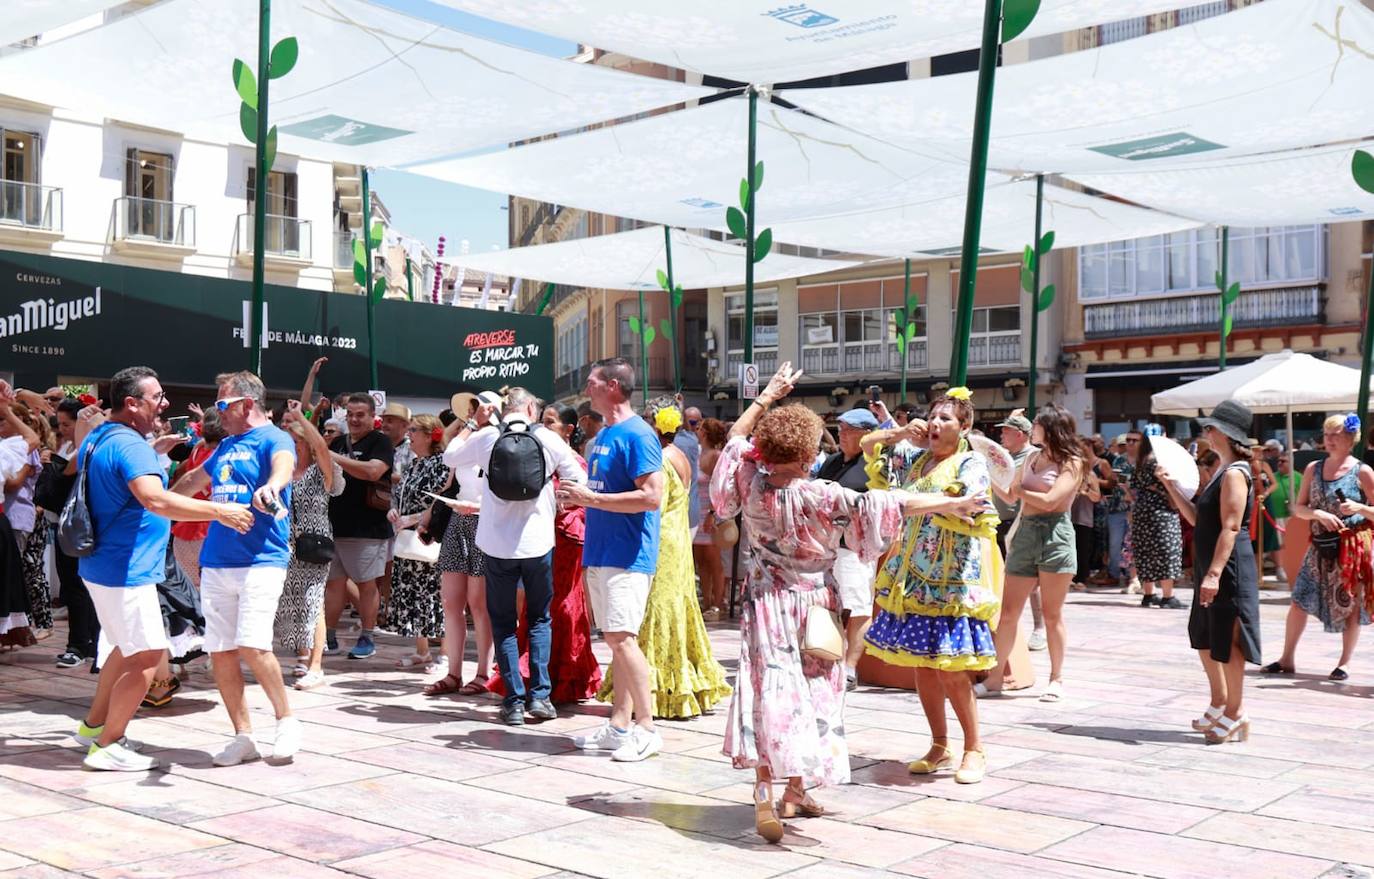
x,y
81,319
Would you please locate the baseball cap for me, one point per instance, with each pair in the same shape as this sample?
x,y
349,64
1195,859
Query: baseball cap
x,y
860,418
1020,422
396,410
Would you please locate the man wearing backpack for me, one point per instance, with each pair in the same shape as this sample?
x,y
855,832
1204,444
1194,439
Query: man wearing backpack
x,y
515,531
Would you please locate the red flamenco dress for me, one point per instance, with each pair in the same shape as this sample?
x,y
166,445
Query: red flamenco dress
x,y
574,672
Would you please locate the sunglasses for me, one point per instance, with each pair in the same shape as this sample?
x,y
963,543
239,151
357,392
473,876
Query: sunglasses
x,y
224,404
692,422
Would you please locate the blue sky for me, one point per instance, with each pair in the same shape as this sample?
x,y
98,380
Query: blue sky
x,y
425,208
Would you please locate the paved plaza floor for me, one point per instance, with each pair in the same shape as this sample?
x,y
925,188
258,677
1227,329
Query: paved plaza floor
x,y
1110,781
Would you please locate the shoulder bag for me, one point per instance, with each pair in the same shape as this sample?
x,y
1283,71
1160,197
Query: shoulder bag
x,y
75,528
378,496
410,546
315,549
821,637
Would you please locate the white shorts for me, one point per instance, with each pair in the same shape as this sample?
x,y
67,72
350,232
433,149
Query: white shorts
x,y
855,580
240,606
130,617
619,598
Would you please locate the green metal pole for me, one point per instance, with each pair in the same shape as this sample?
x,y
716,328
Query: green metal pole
x,y
1035,295
1362,406
260,183
1225,259
904,350
643,351
749,234
367,288
672,309
410,282
973,212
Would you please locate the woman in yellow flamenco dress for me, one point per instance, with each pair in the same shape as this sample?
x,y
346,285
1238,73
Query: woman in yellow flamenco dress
x,y
939,595
683,673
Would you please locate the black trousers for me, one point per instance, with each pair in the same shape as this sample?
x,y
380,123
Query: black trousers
x,y
83,625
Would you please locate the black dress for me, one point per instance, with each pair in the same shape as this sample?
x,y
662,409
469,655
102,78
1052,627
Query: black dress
x,y
1209,628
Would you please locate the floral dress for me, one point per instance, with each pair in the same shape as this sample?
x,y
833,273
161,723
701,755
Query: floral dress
x,y
416,610
684,676
1323,588
1156,533
302,597
787,711
939,595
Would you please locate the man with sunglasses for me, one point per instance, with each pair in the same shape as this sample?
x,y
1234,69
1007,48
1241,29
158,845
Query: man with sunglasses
x,y
241,576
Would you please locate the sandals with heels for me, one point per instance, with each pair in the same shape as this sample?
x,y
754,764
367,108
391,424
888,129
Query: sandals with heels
x,y
801,807
1229,730
1209,718
766,820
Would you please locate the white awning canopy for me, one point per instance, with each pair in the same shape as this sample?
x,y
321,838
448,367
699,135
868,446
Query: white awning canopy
x,y
1277,75
23,19
767,41
372,85
1275,383
631,261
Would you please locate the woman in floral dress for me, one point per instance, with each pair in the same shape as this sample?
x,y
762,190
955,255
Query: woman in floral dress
x,y
939,596
416,608
785,718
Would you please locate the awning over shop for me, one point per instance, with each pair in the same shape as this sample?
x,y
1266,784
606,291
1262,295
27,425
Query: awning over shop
x,y
371,86
631,261
767,41
1277,75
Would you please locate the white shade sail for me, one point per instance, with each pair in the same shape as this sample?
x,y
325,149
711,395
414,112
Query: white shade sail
x,y
631,261
767,41
935,228
1281,189
29,18
1277,75
371,86
1272,384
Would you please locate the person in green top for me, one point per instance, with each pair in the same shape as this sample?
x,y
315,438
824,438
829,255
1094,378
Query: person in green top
x,y
1276,504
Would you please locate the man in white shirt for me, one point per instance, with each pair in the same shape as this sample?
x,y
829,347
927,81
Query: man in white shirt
x,y
517,538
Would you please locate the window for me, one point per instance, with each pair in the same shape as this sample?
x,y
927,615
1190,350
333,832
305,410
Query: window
x,y
148,187
995,336
1187,261
765,330
20,199
572,346
627,340
283,232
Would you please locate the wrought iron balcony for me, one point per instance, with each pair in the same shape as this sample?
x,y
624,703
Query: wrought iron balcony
x,y
867,359
766,361
152,221
283,236
994,349
1280,307
30,206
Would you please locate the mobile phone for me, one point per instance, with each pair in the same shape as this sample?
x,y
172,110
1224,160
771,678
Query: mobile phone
x,y
875,393
179,423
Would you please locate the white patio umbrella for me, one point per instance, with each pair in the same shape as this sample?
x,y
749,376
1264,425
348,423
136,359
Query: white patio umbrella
x,y
1285,382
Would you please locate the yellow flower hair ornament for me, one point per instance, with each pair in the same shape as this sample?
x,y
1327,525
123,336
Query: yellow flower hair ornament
x,y
668,420
959,393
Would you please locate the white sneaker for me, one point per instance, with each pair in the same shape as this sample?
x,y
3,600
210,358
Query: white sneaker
x,y
642,745
1037,640
240,749
59,613
288,740
606,738
117,758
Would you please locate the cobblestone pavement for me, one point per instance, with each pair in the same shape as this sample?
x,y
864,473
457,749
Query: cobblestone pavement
x,y
1109,781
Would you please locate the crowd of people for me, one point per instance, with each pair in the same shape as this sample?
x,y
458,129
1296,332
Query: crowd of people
x,y
913,540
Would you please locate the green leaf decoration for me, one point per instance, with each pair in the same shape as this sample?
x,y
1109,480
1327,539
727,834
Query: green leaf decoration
x,y
1226,326
377,233
649,336
283,58
1027,280
379,288
359,263
1046,243
744,194
677,296
1232,293
911,331
762,244
1017,15
634,323
899,319
248,122
901,345
1218,280
1046,298
758,176
734,220
666,329
1362,167
1028,257
269,149
246,84
662,279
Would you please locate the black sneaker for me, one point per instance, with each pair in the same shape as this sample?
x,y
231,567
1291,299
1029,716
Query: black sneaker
x,y
69,660
542,709
1172,603
1149,601
513,714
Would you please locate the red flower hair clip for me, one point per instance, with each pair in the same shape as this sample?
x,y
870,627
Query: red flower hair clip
x,y
86,400
436,434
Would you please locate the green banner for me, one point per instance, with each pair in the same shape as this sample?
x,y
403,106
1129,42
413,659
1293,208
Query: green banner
x,y
88,320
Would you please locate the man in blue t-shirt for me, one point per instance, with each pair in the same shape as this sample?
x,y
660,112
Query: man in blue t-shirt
x,y
126,493
241,575
622,495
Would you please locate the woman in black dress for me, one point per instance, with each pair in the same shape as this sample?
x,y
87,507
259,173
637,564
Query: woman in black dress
x,y
1223,625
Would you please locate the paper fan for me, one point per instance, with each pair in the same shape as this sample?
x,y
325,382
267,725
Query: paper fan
x,y
1001,468
1181,466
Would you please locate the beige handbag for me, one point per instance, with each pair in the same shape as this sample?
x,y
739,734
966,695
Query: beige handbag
x,y
409,546
821,637
725,534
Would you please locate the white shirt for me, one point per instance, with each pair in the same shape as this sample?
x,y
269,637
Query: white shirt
x,y
514,529
469,474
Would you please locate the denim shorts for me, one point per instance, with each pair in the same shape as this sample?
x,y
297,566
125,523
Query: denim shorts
x,y
1042,544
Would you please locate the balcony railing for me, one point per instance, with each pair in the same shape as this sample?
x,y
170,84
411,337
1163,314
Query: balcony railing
x,y
994,349
343,249
282,236
149,219
1202,313
30,205
570,384
866,359
560,293
915,356
766,361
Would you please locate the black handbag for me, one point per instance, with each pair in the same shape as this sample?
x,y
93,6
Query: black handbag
x,y
54,486
1328,545
75,528
315,548
439,515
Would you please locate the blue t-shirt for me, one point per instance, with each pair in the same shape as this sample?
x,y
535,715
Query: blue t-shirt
x,y
240,466
618,456
130,542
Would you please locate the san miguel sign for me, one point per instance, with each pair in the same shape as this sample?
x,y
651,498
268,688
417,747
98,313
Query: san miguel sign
x,y
86,320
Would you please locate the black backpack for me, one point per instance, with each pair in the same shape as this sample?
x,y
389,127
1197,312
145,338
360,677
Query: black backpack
x,y
517,470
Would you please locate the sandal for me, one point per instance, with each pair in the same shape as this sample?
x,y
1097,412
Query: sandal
x,y
302,667
414,660
803,806
982,691
766,820
973,768
1053,693
449,683
1274,668
169,688
937,758
475,687
1338,674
